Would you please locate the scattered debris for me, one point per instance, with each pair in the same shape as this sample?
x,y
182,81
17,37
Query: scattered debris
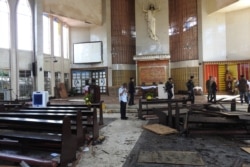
x,y
105,152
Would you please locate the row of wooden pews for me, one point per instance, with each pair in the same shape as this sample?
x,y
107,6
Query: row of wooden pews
x,y
53,129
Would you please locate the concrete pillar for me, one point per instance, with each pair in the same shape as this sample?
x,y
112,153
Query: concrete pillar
x,y
38,45
14,66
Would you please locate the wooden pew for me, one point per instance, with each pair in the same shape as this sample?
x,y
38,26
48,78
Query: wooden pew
x,y
76,120
92,105
86,113
7,107
168,111
38,134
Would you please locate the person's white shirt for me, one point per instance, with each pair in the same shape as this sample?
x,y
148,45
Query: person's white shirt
x,y
123,94
86,88
248,83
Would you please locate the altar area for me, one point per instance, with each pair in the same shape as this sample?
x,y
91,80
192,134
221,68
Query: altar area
x,y
157,91
152,71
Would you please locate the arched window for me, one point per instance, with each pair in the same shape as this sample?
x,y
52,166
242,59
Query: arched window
x,y
5,24
46,35
24,26
57,37
65,41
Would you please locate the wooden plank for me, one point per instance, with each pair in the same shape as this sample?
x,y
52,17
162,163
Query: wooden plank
x,y
235,113
244,117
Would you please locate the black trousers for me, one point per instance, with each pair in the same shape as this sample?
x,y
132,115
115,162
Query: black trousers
x,y
131,99
213,98
170,94
191,96
123,109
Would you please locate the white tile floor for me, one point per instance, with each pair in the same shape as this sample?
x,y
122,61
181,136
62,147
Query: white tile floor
x,y
120,138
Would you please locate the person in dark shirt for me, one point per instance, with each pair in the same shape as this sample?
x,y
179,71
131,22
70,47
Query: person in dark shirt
x,y
168,88
131,91
208,87
213,91
190,88
242,86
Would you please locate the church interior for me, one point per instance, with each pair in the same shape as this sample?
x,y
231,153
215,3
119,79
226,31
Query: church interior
x,y
53,49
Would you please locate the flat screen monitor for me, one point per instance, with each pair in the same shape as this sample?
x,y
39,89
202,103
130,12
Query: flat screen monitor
x,y
88,52
40,99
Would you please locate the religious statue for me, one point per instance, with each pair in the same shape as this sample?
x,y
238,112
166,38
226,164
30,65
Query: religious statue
x,y
228,80
150,18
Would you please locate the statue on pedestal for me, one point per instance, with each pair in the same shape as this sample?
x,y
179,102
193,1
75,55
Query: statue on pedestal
x,y
150,18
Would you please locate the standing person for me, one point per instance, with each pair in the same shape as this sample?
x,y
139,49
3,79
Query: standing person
x,y
208,87
242,86
131,91
86,87
123,98
228,80
213,90
168,88
190,88
235,86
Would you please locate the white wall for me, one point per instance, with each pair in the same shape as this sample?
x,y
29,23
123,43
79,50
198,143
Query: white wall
x,y
238,35
225,36
5,59
25,59
77,35
213,35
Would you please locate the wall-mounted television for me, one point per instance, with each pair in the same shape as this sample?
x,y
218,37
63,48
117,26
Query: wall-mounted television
x,y
88,52
40,99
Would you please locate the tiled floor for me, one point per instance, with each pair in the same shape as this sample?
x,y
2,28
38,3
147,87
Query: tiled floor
x,y
120,135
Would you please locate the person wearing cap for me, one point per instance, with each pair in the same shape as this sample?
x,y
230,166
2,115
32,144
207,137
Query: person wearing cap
x,y
131,91
169,87
242,86
190,88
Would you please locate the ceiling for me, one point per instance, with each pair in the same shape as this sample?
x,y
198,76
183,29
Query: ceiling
x,y
73,22
76,13
86,13
239,5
